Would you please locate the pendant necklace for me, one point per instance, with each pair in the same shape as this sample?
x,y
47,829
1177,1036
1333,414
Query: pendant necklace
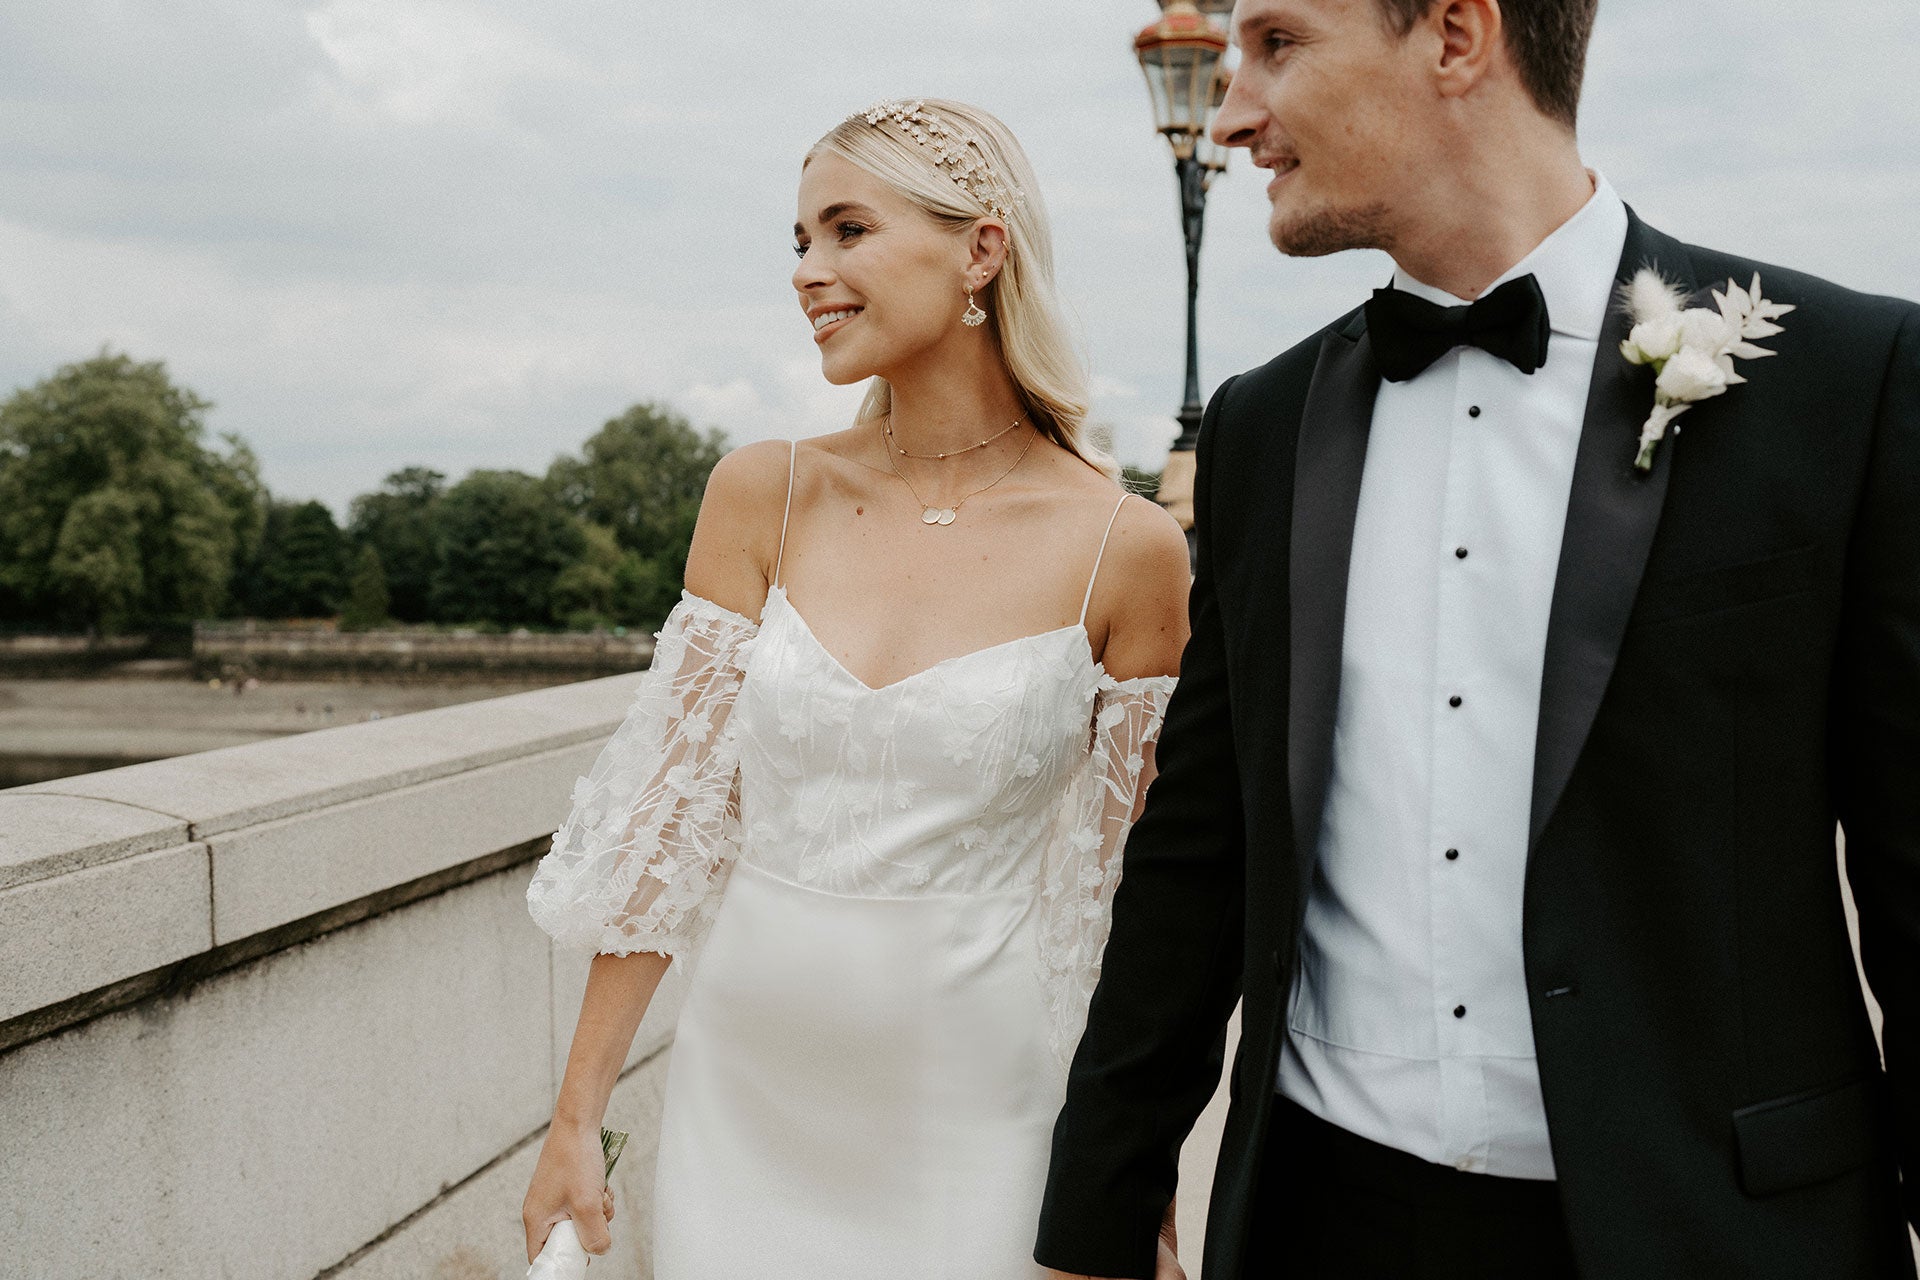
x,y
947,515
941,457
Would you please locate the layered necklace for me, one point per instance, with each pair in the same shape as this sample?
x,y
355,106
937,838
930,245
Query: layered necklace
x,y
887,427
930,514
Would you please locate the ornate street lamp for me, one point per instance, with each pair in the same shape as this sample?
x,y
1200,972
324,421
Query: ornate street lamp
x,y
1183,57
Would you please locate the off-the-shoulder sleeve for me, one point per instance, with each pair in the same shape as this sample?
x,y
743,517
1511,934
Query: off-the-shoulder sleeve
x,y
1084,856
641,861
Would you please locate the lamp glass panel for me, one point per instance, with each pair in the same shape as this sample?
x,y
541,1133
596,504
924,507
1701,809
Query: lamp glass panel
x,y
1186,108
1153,62
1211,154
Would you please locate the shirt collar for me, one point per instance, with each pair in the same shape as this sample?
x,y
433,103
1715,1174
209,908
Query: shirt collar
x,y
1576,266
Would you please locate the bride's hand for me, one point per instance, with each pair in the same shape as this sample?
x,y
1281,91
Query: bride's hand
x,y
1167,1265
569,1182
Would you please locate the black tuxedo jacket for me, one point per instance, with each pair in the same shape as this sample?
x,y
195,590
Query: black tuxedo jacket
x,y
1732,664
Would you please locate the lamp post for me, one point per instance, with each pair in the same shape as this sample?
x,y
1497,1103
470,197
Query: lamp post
x,y
1183,57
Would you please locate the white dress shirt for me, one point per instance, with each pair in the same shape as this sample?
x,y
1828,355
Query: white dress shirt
x,y
1408,1022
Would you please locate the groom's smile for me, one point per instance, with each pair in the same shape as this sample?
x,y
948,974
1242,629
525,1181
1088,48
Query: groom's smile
x,y
1282,167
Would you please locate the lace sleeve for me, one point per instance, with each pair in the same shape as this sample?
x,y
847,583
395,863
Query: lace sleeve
x,y
641,860
1084,856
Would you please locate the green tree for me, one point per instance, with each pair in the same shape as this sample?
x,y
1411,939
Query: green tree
x,y
301,568
366,605
97,556
501,541
397,521
584,591
114,512
642,475
645,589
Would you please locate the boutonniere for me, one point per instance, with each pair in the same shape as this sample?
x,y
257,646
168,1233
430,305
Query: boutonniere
x,y
1691,349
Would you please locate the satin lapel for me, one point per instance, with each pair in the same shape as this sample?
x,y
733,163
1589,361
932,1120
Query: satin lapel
x,y
1326,496
1612,513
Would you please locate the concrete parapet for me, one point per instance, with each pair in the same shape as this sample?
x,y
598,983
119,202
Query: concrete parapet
x,y
278,1012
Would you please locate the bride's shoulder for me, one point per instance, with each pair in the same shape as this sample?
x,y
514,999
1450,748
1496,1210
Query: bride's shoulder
x,y
1148,546
1141,591
749,473
736,538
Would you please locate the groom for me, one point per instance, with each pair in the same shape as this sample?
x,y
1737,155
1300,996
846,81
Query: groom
x,y
1502,779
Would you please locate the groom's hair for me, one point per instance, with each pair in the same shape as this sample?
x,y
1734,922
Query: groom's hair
x,y
1548,41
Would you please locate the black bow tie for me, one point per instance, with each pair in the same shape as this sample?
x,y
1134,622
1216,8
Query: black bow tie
x,y
1410,333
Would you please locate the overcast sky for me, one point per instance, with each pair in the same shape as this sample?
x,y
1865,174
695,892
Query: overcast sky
x,y
463,233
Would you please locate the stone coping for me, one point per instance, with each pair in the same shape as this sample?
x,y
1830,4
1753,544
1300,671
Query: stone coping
x,y
113,875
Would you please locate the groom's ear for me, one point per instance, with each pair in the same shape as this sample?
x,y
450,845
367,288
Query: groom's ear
x,y
1472,41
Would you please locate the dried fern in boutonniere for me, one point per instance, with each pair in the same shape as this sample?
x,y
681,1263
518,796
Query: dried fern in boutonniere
x,y
1691,349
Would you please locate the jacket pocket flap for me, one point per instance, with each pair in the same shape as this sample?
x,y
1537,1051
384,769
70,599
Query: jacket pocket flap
x,y
1807,1138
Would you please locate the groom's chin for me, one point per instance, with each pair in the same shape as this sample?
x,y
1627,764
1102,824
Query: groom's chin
x,y
1320,232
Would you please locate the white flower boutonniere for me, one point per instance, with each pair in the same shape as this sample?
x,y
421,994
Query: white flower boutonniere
x,y
1691,349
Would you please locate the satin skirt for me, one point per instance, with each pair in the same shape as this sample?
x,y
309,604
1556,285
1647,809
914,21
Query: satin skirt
x,y
860,1089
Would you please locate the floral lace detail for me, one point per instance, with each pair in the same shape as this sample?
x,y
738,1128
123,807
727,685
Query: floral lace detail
x,y
641,861
946,782
1083,859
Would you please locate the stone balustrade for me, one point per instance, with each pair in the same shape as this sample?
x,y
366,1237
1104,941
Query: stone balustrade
x,y
277,1012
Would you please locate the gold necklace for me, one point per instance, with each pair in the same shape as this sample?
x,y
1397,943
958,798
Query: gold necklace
x,y
947,515
936,457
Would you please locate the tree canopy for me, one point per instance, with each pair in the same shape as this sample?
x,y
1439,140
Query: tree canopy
x,y
114,511
366,603
501,541
641,475
301,568
397,520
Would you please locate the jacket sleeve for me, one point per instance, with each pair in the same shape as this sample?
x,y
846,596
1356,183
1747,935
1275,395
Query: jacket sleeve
x,y
1170,975
1875,736
641,860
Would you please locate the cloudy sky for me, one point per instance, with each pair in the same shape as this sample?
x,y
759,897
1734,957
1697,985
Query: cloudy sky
x,y
463,233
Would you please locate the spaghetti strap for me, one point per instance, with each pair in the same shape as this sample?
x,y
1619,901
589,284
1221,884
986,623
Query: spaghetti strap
x,y
1094,576
793,453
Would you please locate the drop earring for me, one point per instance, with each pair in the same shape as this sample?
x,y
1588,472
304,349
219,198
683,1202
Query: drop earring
x,y
973,317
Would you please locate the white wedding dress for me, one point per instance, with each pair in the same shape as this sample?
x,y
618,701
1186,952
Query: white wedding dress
x,y
897,898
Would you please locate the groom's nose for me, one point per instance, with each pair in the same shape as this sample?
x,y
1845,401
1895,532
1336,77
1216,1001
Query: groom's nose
x,y
1237,121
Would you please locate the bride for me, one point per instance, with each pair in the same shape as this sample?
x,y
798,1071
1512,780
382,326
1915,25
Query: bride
x,y
874,789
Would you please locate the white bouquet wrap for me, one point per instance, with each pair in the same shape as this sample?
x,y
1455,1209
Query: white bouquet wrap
x,y
562,1258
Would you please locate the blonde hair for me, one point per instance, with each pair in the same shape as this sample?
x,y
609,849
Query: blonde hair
x,y
1040,354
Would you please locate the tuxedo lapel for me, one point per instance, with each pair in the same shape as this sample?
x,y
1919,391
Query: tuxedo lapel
x,y
1332,454
1612,513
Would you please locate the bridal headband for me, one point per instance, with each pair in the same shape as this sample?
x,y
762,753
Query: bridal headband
x,y
956,152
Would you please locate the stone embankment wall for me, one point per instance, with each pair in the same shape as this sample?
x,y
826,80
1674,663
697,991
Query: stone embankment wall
x,y
277,1011
33,656
228,649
